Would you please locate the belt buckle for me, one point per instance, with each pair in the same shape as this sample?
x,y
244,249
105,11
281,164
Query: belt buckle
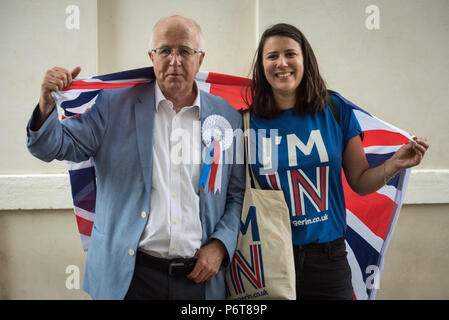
x,y
172,265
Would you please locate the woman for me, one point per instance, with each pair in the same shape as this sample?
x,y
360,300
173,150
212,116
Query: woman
x,y
313,142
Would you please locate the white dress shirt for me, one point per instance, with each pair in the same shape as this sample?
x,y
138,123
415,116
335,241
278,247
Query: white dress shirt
x,y
174,227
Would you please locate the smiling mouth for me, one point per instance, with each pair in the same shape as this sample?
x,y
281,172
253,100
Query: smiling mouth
x,y
283,75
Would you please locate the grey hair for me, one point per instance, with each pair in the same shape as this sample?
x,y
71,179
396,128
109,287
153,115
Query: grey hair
x,y
197,26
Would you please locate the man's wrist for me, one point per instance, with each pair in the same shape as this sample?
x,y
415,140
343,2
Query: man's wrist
x,y
221,248
45,108
219,244
39,117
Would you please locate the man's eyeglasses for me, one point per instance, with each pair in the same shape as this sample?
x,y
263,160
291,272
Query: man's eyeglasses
x,y
183,52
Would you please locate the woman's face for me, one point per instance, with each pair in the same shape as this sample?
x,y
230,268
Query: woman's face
x,y
283,65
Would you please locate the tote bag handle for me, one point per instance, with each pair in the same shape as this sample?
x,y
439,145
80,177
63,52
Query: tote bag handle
x,y
249,169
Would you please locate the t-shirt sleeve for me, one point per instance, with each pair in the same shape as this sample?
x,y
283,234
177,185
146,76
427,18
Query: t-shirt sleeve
x,y
348,121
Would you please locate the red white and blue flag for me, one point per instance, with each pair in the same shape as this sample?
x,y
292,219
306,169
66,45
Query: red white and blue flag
x,y
370,219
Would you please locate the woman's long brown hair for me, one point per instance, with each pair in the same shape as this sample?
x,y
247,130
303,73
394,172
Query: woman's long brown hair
x,y
311,94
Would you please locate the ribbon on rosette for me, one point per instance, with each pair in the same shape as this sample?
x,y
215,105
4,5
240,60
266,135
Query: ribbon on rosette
x,y
217,135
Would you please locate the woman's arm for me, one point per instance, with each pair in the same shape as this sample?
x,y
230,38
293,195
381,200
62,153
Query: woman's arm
x,y
363,179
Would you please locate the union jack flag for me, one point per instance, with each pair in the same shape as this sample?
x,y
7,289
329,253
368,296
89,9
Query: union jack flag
x,y
370,219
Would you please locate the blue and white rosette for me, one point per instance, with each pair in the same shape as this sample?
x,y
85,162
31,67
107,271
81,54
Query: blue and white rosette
x,y
217,135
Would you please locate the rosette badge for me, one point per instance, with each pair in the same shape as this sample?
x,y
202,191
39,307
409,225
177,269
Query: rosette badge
x,y
217,128
217,135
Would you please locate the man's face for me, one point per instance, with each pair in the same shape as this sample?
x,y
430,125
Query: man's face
x,y
175,73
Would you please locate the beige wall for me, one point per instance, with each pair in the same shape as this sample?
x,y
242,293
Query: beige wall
x,y
228,30
398,73
37,247
417,260
34,38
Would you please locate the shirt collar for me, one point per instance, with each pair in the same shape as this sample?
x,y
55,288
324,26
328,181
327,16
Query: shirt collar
x,y
159,97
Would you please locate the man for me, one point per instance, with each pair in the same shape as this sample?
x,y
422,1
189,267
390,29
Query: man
x,y
157,234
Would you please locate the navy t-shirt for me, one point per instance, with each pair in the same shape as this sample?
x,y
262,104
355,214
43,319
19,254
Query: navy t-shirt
x,y
302,156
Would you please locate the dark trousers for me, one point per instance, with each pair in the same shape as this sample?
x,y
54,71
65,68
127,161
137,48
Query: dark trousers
x,y
322,271
152,284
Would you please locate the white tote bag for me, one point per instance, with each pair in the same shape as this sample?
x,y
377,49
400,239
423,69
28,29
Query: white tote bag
x,y
263,265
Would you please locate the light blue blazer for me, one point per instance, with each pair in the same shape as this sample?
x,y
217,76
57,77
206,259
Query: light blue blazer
x,y
118,133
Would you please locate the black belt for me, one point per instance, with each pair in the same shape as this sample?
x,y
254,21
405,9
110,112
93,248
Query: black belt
x,y
318,247
174,267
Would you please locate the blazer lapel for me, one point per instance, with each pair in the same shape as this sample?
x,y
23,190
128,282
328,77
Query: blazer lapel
x,y
205,111
144,109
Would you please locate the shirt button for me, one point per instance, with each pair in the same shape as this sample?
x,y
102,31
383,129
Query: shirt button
x,y
131,252
143,214
174,196
173,248
175,221
175,169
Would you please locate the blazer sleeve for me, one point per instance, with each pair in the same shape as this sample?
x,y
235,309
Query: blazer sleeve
x,y
75,139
